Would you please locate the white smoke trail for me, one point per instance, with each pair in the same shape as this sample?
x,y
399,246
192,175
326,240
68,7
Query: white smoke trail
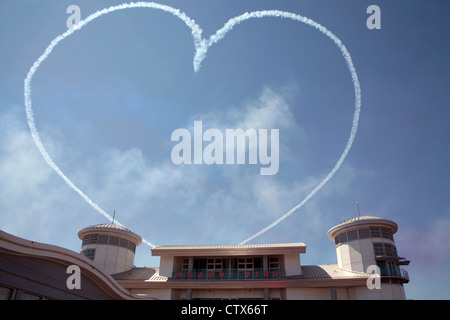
x,y
196,34
202,46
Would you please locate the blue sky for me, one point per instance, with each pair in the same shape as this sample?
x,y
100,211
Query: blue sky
x,y
108,97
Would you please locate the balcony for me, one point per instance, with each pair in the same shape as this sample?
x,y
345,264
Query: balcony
x,y
397,272
228,274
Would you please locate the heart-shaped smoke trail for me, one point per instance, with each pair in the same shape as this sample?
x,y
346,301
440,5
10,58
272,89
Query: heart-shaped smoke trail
x,y
201,46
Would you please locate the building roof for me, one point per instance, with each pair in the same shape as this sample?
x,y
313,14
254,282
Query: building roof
x,y
140,274
230,249
329,271
41,254
360,222
111,228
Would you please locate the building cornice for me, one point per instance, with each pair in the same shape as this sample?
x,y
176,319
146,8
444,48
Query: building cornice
x,y
230,250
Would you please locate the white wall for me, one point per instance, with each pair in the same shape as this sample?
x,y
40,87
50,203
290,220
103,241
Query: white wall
x,y
166,266
308,294
292,264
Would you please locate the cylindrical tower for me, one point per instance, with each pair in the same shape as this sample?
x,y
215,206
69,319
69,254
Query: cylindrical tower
x,y
110,246
366,241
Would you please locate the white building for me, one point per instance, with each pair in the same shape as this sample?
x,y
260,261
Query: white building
x,y
274,271
252,271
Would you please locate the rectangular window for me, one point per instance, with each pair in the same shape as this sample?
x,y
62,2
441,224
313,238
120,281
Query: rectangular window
x,y
390,250
214,264
378,249
375,232
352,235
131,246
234,263
384,249
258,263
226,263
102,239
89,253
185,265
199,264
114,241
364,233
343,237
123,243
245,263
387,234
90,239
273,263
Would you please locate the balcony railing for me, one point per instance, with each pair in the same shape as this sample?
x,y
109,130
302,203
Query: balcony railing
x,y
398,272
229,274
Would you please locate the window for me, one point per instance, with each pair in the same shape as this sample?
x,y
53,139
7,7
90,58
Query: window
x,y
114,241
375,232
90,239
384,249
123,243
343,237
352,235
378,249
381,233
185,265
199,264
273,263
258,263
214,264
131,246
88,253
245,263
390,250
387,234
388,268
364,233
102,239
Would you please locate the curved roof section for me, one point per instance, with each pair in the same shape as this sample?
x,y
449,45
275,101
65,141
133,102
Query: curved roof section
x,y
360,222
111,228
36,250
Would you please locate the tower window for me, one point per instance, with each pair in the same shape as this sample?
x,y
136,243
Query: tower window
x,y
384,249
375,232
381,233
364,233
113,241
102,239
88,253
123,243
352,235
90,239
131,246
